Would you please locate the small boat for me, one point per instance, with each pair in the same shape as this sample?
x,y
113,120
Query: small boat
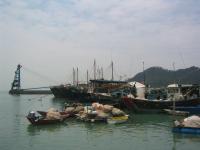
x,y
190,125
44,113
91,117
116,120
41,120
93,120
188,130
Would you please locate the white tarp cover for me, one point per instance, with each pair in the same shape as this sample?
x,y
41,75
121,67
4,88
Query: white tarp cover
x,y
137,84
192,121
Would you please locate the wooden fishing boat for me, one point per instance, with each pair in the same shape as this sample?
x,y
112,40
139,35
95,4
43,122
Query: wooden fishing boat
x,y
188,130
100,92
44,113
41,120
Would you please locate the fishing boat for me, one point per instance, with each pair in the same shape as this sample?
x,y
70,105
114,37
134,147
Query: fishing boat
x,y
41,120
155,105
63,113
181,95
99,90
70,92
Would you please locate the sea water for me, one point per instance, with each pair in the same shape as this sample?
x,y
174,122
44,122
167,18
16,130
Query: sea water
x,y
141,132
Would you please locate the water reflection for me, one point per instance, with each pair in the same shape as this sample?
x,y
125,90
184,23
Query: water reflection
x,y
191,137
37,130
58,102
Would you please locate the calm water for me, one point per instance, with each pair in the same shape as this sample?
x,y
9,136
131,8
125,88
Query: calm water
x,y
142,131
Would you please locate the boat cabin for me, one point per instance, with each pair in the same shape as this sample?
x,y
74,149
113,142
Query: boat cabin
x,y
183,91
106,86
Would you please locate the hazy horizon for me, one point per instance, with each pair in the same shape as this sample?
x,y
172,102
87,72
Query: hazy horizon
x,y
49,38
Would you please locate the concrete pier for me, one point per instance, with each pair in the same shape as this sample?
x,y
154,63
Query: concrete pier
x,y
24,91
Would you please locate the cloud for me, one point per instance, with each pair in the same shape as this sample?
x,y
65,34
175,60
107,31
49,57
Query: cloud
x,y
74,32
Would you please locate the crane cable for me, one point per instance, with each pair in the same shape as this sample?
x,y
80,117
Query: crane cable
x,y
40,76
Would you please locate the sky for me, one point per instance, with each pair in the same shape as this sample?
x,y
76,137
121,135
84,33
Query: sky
x,y
50,37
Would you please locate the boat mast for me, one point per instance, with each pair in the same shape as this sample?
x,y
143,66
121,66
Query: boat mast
x,y
112,71
77,76
174,104
102,73
98,73
144,76
94,69
74,74
87,77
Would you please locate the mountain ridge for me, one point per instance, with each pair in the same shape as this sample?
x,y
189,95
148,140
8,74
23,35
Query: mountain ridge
x,y
157,76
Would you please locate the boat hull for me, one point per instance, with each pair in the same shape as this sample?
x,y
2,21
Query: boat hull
x,y
187,130
44,121
63,114
117,120
156,105
74,94
191,109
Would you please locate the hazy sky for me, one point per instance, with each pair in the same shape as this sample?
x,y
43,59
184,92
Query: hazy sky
x,y
50,37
